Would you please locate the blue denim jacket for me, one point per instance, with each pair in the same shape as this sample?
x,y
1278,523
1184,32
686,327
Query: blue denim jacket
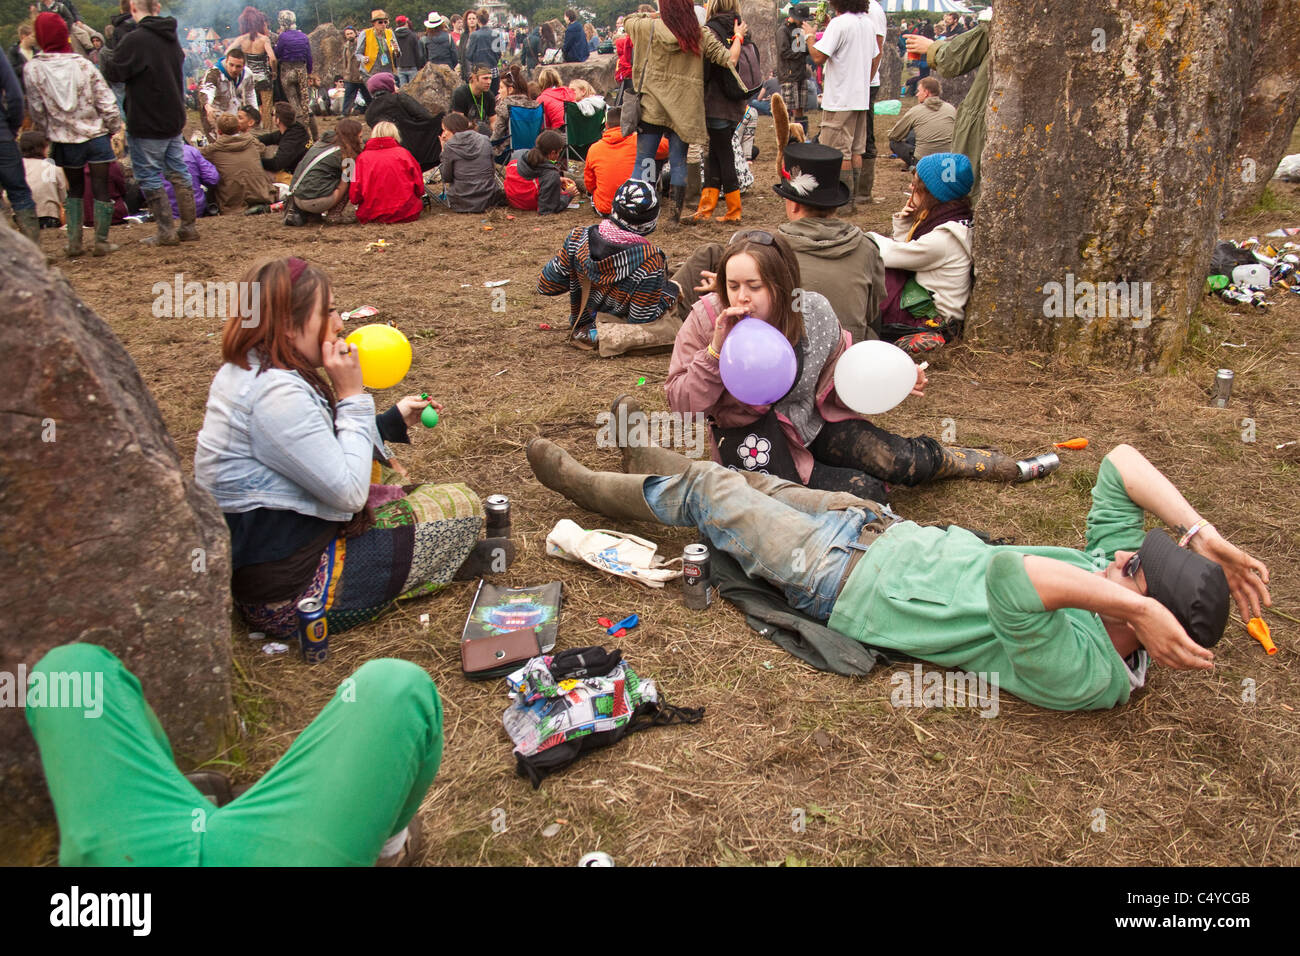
x,y
268,441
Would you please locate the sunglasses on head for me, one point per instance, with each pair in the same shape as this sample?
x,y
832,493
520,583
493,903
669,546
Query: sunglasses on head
x,y
759,236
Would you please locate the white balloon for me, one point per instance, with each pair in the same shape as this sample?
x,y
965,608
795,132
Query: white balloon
x,y
872,377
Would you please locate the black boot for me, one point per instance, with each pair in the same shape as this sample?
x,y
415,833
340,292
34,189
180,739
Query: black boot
x,y
678,194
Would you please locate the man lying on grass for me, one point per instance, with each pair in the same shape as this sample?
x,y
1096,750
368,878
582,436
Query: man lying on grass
x,y
1065,629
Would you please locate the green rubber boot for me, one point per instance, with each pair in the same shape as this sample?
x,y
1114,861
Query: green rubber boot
x,y
76,213
103,220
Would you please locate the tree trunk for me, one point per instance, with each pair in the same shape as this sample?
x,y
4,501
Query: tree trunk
x,y
1110,134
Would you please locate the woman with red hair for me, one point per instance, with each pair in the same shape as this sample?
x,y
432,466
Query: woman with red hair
x,y
668,53
293,457
259,56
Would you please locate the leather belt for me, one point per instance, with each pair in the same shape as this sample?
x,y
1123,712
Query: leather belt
x,y
870,532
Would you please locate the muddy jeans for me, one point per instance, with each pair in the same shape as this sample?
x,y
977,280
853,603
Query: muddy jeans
x,y
783,534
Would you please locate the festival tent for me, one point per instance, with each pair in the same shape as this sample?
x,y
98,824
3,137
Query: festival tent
x,y
924,6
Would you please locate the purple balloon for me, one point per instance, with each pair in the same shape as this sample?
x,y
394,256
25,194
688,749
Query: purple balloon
x,y
757,363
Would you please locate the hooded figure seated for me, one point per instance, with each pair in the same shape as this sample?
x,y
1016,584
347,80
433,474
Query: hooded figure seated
x,y
420,130
238,158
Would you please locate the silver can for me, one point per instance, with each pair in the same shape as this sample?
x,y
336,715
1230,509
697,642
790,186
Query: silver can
x,y
497,511
1222,387
697,577
596,859
1038,466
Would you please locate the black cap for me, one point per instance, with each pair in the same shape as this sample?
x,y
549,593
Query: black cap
x,y
813,176
799,12
1193,588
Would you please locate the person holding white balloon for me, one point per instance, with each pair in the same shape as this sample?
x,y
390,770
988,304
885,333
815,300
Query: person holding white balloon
x,y
759,357
293,461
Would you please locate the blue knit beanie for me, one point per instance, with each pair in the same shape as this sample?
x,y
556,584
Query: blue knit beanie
x,y
946,175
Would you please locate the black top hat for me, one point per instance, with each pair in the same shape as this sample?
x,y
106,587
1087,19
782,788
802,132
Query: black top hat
x,y
1194,588
812,176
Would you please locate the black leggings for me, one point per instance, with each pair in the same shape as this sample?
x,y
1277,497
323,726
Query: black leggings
x,y
720,167
855,454
98,182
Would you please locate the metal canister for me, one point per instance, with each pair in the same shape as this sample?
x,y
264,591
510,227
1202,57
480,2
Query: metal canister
x,y
313,631
697,577
1038,466
596,859
1222,387
497,509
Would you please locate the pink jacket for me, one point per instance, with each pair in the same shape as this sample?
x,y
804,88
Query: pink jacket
x,y
695,385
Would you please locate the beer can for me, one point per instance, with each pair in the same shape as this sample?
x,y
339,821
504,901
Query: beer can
x,y
313,630
1038,466
697,577
497,509
1222,387
596,859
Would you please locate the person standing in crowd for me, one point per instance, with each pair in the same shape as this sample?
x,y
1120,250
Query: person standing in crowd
x,y
23,50
532,49
456,30
387,185
259,55
475,100
846,50
669,49
722,114
418,128
318,187
293,53
867,180
378,47
354,83
792,62
13,177
290,140
576,49
225,88
436,43
926,31
470,27
148,60
408,51
484,49
70,103
927,127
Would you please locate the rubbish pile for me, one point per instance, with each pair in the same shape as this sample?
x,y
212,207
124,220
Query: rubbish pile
x,y
1246,272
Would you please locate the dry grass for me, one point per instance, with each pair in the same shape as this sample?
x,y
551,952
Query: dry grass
x,y
1186,773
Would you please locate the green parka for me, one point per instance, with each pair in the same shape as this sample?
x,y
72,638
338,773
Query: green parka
x,y
957,57
672,92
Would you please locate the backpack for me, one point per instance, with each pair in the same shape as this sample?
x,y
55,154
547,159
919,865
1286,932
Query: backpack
x,y
567,704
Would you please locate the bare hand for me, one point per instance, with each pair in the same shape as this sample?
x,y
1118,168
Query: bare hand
x,y
412,406
741,29
1247,577
708,282
723,326
921,381
1165,640
344,367
918,44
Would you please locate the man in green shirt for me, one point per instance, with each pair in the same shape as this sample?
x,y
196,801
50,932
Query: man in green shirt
x,y
1064,629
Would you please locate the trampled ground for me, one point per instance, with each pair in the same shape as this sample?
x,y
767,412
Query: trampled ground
x,y
1186,773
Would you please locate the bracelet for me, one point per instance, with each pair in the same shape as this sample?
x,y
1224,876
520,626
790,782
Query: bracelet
x,y
1192,531
716,355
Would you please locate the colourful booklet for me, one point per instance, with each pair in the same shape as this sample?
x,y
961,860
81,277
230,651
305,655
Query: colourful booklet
x,y
498,610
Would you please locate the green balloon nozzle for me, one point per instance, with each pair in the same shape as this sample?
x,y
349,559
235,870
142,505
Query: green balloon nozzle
x,y
428,417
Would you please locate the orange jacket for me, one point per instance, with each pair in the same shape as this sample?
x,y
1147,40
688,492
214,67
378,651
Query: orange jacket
x,y
609,165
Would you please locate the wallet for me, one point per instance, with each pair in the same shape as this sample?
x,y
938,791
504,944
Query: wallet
x,y
482,658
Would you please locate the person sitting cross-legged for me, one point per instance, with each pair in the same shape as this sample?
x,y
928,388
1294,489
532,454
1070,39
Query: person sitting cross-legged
x,y
467,169
611,268
244,184
1060,628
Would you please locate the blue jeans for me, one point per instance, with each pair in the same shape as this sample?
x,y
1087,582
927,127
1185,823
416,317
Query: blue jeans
x,y
647,144
405,76
13,177
151,158
764,107
350,93
782,534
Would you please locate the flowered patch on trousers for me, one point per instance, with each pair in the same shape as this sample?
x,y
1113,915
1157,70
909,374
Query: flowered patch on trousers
x,y
416,546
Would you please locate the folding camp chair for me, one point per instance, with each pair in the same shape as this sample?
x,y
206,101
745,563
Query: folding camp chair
x,y
581,131
525,124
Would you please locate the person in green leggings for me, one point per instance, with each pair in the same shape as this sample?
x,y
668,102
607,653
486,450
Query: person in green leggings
x,y
345,791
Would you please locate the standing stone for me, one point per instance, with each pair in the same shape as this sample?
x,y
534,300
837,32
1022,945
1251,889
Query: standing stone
x,y
103,538
955,88
761,18
1272,104
891,73
598,70
1110,134
327,53
433,87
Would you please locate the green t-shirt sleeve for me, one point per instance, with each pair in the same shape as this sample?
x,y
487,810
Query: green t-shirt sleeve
x,y
1114,522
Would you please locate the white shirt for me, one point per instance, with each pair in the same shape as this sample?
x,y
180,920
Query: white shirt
x,y
850,44
877,14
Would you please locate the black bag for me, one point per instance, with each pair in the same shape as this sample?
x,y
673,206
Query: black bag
x,y
1227,256
632,102
759,446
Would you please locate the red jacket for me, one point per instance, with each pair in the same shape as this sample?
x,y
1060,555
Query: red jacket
x,y
521,193
387,185
553,100
623,46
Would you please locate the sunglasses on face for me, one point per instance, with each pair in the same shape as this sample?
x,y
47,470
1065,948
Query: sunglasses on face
x,y
1132,565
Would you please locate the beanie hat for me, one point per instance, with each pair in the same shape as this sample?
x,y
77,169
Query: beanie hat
x,y
382,81
947,175
52,33
635,207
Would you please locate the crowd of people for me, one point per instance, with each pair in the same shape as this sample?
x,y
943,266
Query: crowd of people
x,y
299,462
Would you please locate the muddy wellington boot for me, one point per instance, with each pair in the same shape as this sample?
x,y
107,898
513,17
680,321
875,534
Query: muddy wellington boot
x,y
677,196
847,177
866,182
161,207
76,214
977,464
186,206
631,429
29,225
708,203
103,221
604,492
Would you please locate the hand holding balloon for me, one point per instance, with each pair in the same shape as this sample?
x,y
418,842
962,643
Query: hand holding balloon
x,y
343,364
726,321
758,364
384,353
872,377
415,408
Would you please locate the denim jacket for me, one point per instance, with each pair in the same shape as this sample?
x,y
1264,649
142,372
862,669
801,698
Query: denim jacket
x,y
268,441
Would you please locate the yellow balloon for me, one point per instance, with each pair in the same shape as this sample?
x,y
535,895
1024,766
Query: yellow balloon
x,y
384,353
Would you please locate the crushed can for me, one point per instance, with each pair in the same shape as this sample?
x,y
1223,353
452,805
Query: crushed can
x,y
313,631
697,577
1222,387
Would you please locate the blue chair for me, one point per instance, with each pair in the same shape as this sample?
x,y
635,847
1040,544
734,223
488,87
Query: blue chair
x,y
525,126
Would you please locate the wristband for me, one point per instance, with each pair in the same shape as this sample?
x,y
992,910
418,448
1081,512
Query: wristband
x,y
1192,531
715,355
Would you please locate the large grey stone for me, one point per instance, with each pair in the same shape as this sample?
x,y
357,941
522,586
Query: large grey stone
x,y
1272,104
761,18
433,87
891,73
598,70
327,52
1105,161
103,538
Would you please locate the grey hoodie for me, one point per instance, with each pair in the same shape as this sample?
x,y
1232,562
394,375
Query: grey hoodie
x,y
467,170
840,261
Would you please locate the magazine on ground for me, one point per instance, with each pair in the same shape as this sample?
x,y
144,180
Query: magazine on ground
x,y
497,610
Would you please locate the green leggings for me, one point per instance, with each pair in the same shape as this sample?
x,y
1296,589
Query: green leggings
x,y
353,778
